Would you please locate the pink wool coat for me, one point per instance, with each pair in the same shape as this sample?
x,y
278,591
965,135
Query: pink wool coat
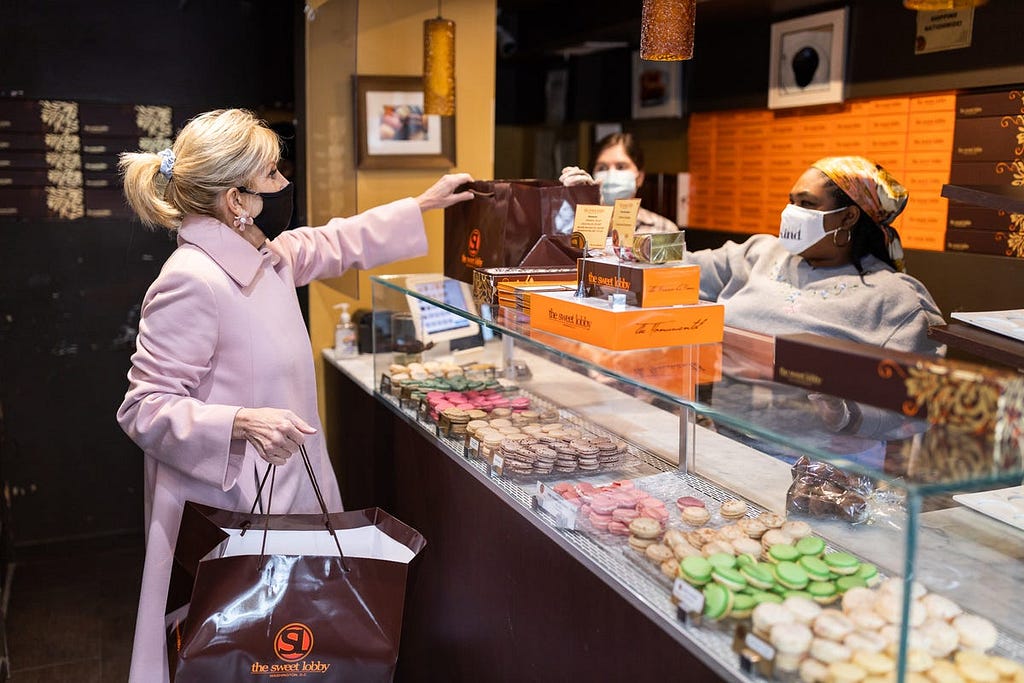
x,y
220,330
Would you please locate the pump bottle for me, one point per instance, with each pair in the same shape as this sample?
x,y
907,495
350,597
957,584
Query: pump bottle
x,y
345,344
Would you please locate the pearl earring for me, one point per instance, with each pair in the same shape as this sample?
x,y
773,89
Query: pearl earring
x,y
241,221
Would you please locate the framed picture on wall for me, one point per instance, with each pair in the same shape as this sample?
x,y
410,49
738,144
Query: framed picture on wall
x,y
657,89
808,60
391,129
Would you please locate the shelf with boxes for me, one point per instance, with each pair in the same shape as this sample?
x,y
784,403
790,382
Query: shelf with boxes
x,y
725,467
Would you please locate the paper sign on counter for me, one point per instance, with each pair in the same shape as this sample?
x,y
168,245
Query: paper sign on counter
x,y
593,221
624,220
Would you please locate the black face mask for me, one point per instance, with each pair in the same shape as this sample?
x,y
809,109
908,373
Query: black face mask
x,y
277,210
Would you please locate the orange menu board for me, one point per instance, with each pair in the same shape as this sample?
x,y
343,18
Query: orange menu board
x,y
743,163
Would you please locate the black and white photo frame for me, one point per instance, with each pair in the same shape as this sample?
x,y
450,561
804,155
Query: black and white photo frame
x,y
808,60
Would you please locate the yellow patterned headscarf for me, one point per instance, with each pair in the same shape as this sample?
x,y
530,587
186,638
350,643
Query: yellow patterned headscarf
x,y
874,190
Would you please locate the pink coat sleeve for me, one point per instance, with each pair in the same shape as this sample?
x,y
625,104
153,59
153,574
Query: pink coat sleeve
x,y
386,233
177,337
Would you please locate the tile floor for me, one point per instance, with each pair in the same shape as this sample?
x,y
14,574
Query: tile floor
x,y
71,611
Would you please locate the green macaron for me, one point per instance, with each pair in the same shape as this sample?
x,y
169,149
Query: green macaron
x,y
765,596
717,601
730,578
742,606
815,568
845,583
783,552
868,572
810,545
790,575
798,594
823,592
757,576
695,570
841,563
722,561
745,560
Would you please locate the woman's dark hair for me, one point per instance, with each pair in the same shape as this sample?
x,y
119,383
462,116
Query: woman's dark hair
x,y
633,150
866,236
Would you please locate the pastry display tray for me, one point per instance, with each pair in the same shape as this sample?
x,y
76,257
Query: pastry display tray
x,y
1005,505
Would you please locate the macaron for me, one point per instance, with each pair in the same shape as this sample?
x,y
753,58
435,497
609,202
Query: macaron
x,y
822,592
718,601
689,502
790,575
742,606
733,509
722,561
815,568
730,578
810,545
644,527
695,516
845,583
761,597
695,570
796,594
757,576
841,563
869,573
781,552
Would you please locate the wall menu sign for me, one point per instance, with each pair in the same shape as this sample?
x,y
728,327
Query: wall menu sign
x,y
58,158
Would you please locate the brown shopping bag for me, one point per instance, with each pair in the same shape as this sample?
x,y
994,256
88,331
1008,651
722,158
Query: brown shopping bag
x,y
260,597
505,220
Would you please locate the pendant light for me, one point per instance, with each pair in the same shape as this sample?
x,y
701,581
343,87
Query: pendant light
x,y
666,30
439,65
933,5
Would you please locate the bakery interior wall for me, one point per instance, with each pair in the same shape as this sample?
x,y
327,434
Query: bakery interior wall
x,y
389,42
70,290
535,137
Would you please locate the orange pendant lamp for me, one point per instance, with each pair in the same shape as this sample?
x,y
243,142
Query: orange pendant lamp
x,y
439,65
666,30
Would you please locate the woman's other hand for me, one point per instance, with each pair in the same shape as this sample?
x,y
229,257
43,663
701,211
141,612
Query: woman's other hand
x,y
275,434
574,175
837,414
442,194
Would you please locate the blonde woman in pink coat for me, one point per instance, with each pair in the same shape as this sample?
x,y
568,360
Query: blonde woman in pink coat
x,y
222,383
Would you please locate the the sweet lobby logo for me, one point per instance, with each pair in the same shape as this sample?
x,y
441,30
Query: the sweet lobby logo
x,y
292,645
608,281
575,320
472,258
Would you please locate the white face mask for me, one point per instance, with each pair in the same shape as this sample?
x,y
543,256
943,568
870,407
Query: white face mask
x,y
802,228
616,184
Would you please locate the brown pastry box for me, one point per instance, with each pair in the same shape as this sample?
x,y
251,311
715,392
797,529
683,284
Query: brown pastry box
x,y
644,284
1002,173
997,243
124,120
943,391
988,138
48,203
961,216
27,116
990,103
485,280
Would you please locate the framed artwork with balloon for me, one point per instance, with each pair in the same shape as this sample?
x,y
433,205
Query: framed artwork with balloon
x,y
808,60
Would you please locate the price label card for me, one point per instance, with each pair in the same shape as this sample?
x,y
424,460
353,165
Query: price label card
x,y
624,220
592,221
497,466
689,597
556,506
760,646
472,447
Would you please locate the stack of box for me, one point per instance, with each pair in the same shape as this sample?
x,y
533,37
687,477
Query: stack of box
x,y
988,151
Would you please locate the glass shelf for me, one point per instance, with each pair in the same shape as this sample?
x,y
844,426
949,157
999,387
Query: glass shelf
x,y
911,454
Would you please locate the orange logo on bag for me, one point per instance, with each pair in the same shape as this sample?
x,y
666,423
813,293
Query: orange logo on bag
x,y
473,243
293,642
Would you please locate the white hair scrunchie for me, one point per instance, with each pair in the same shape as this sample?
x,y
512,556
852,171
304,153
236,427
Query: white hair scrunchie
x,y
166,162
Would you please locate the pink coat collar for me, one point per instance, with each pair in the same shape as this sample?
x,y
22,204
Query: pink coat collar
x,y
227,248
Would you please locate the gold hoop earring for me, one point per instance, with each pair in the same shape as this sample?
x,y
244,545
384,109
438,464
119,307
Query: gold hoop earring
x,y
849,236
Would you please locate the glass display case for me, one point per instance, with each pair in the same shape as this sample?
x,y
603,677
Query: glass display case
x,y
775,532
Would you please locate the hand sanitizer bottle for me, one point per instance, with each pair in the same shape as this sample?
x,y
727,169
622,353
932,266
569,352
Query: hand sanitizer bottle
x,y
345,343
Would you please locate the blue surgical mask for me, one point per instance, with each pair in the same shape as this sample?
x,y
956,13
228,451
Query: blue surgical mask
x,y
802,228
616,184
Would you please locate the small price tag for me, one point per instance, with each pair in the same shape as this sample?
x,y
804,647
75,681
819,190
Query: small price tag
x,y
497,466
689,598
556,506
385,384
472,447
759,645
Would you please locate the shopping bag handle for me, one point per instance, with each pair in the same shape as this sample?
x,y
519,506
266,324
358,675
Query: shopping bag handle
x,y
272,472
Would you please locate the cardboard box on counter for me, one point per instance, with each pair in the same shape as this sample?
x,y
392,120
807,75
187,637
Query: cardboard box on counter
x,y
486,280
994,242
644,284
1001,173
593,321
928,387
988,138
963,216
1003,102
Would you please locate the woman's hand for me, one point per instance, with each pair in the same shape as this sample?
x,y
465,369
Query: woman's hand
x,y
275,434
574,175
838,415
442,194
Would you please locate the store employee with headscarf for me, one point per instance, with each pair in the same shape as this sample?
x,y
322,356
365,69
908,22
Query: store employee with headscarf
x,y
836,268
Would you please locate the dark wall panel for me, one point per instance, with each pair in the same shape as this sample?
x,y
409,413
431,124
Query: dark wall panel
x,y
70,291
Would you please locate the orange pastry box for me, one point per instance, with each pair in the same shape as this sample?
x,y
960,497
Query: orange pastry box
x,y
644,284
593,321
